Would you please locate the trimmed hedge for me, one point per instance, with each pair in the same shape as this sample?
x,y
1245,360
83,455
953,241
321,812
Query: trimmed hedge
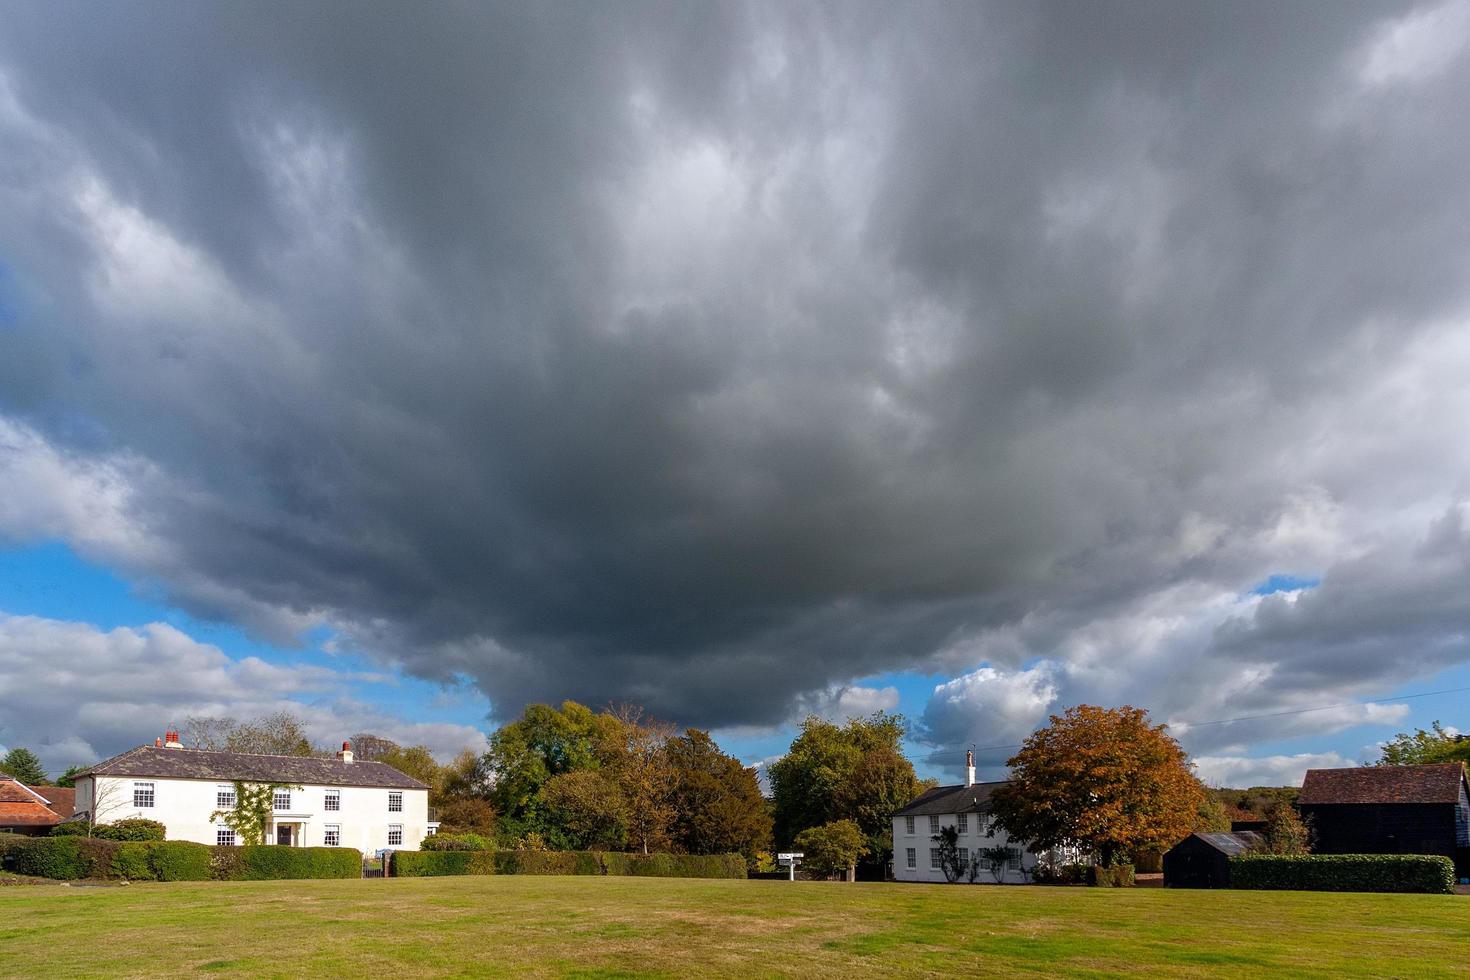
x,y
176,860
70,858
1118,876
262,862
132,829
62,858
417,864
1345,872
435,864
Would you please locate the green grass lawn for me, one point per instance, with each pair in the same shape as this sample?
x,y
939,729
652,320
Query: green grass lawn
x,y
601,927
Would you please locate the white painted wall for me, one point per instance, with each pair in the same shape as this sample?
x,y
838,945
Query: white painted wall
x,y
974,839
184,807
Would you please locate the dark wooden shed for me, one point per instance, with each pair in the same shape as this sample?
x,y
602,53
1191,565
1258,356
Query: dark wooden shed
x,y
1203,860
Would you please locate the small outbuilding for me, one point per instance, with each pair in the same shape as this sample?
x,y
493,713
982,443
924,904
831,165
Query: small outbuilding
x,y
1203,860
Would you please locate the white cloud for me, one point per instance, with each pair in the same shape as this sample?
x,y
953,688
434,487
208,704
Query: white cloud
x,y
843,701
75,693
1240,772
1416,46
988,706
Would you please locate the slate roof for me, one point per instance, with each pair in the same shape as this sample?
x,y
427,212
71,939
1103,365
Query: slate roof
x,y
150,760
1384,784
951,799
1233,843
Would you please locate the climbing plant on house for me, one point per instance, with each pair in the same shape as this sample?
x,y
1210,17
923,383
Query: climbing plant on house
x,y
251,815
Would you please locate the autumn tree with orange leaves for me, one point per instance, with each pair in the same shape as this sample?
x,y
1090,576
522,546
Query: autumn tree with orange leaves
x,y
1104,780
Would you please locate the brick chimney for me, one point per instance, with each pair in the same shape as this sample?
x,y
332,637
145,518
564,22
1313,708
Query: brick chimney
x,y
969,767
171,740
158,743
346,754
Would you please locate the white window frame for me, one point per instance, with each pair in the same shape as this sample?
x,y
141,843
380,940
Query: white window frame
x,y
913,857
332,800
908,826
145,796
1013,863
964,857
276,800
962,823
933,825
934,859
224,797
395,829
225,837
332,835
395,801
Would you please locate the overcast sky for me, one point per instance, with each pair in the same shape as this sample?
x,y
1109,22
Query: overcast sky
x,y
413,362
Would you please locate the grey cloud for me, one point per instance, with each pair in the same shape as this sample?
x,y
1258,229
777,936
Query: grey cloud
x,y
663,351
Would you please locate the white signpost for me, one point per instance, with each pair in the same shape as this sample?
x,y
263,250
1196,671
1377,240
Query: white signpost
x,y
791,859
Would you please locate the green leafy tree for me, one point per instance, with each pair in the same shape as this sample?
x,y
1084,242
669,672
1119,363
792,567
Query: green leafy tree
x,y
22,764
833,848
526,753
716,801
416,761
254,807
1102,779
1212,816
1425,748
586,811
851,772
1286,832
68,778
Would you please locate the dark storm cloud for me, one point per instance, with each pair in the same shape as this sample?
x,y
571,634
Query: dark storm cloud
x,y
685,352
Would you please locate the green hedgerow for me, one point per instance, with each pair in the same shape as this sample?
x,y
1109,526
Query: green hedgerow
x,y
1344,872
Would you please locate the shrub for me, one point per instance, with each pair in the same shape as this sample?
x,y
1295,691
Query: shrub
x,y
132,829
179,860
227,863
176,860
130,862
418,864
1118,876
456,842
61,858
72,828
429,864
1344,872
262,862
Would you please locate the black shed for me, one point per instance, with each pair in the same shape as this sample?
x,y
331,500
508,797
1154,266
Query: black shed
x,y
1203,860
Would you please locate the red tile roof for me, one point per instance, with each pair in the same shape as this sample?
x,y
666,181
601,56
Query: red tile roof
x,y
27,815
63,799
14,791
1384,784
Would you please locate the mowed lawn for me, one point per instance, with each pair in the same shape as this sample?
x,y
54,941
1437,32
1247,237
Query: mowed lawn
x,y
598,927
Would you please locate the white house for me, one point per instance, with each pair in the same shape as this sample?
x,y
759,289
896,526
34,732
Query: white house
x,y
330,802
966,808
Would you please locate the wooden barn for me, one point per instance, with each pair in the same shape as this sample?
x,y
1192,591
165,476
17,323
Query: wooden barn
x,y
1390,810
1203,860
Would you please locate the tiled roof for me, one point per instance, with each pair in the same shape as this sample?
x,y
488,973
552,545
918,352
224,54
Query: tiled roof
x,y
1384,784
149,760
14,791
951,799
61,799
27,815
